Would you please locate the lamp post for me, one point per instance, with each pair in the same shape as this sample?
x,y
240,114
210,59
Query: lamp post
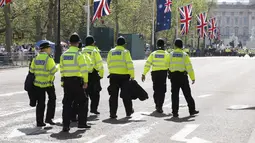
x,y
58,48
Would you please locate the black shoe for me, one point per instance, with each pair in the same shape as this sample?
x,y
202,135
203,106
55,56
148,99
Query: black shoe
x,y
41,124
159,110
32,103
95,112
84,126
50,122
129,114
193,113
113,116
65,129
176,115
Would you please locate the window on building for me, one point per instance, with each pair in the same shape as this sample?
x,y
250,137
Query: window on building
x,y
228,20
219,21
236,20
232,13
227,31
241,21
245,20
241,13
236,31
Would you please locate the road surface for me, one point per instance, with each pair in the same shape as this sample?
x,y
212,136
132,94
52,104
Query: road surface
x,y
224,93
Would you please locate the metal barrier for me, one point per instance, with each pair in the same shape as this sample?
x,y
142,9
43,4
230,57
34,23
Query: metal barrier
x,y
22,59
15,59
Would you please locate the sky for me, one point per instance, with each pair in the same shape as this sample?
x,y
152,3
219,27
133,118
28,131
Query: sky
x,y
233,0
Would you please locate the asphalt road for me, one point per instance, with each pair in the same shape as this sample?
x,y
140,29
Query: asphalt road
x,y
224,93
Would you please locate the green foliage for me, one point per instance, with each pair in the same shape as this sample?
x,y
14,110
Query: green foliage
x,y
31,17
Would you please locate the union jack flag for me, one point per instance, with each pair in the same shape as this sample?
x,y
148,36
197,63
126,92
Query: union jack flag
x,y
4,2
101,8
202,24
212,29
186,16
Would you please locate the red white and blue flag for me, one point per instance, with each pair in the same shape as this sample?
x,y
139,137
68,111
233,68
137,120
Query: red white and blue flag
x,y
101,8
186,16
212,29
202,25
4,2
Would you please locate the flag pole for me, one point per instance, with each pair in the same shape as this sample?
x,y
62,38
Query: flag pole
x,y
88,18
177,22
153,24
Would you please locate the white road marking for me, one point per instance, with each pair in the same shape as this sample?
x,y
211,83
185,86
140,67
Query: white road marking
x,y
252,138
22,118
198,140
135,135
96,139
12,93
180,136
136,117
19,111
236,107
203,96
183,133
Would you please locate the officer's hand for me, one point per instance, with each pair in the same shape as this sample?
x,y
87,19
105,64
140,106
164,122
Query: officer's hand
x,y
85,86
193,81
143,78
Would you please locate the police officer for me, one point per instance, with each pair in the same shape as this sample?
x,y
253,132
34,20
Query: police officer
x,y
44,68
97,73
90,68
74,74
159,61
180,66
121,69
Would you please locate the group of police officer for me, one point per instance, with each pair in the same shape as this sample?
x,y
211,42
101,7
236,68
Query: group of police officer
x,y
82,69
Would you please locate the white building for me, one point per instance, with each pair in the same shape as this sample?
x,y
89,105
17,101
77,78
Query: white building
x,y
235,18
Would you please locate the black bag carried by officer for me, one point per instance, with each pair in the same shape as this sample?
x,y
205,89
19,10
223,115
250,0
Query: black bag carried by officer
x,y
133,90
137,90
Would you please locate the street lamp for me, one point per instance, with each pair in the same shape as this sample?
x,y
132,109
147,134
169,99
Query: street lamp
x,y
58,48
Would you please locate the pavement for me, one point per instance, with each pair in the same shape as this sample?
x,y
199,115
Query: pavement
x,y
224,94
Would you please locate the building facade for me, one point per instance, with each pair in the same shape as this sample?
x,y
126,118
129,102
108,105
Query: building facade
x,y
235,19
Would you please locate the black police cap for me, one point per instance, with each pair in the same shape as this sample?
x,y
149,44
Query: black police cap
x,y
121,41
89,40
75,38
178,43
160,42
45,45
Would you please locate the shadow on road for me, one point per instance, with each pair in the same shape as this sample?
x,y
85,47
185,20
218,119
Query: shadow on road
x,y
34,130
158,115
180,120
93,118
121,121
65,135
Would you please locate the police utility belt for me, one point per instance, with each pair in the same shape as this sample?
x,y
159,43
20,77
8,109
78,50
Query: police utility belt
x,y
73,78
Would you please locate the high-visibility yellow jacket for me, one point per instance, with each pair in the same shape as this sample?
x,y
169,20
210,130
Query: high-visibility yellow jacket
x,y
73,64
119,61
180,61
158,60
96,59
88,62
44,68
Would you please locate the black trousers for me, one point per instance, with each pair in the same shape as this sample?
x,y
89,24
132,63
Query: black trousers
x,y
40,107
116,83
74,92
93,90
180,80
159,87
